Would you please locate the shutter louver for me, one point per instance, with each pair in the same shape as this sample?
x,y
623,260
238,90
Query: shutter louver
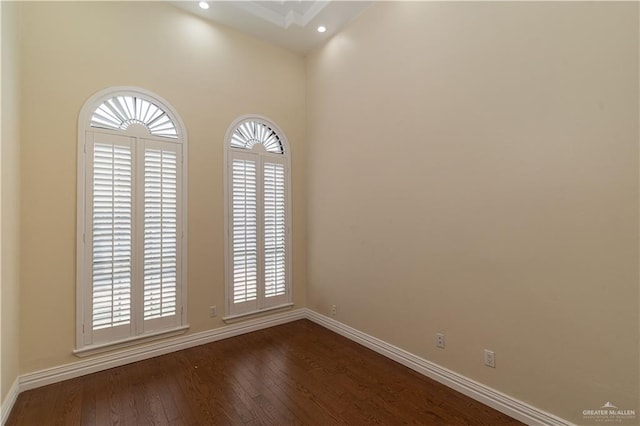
x,y
111,253
160,233
274,229
245,231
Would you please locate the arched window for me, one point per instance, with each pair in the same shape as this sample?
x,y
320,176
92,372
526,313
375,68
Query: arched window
x,y
257,219
132,173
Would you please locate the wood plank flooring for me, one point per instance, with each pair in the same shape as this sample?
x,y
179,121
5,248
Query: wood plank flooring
x,y
293,374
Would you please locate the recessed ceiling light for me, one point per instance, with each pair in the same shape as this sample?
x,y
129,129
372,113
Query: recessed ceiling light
x,y
203,5
322,29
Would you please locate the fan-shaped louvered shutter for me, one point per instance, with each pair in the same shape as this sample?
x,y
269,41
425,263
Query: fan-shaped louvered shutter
x,y
252,132
119,112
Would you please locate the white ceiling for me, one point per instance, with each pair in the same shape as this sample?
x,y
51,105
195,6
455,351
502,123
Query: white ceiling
x,y
291,24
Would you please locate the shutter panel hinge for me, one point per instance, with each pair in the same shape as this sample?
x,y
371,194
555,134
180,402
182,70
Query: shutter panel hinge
x,y
82,328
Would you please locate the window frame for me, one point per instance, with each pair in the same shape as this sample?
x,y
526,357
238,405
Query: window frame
x,y
261,155
85,344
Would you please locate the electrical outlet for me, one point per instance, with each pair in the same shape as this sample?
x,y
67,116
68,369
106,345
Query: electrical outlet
x,y
334,310
213,311
440,340
489,358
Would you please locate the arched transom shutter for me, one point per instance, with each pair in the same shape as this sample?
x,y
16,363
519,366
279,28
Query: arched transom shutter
x,y
252,132
119,112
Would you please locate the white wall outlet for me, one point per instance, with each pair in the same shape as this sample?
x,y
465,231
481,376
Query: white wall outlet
x,y
440,340
489,358
334,310
213,311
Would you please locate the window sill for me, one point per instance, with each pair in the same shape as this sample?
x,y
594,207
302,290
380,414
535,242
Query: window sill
x,y
234,318
130,341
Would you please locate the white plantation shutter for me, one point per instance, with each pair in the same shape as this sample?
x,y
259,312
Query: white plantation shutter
x,y
257,222
111,213
244,238
160,276
131,227
274,229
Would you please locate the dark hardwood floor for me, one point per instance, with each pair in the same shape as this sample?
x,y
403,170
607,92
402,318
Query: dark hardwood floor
x,y
297,373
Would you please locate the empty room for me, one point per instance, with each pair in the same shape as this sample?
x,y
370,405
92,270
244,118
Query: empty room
x,y
320,212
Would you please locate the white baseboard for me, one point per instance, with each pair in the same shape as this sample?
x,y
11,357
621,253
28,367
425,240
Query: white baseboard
x,y
10,399
481,393
127,356
484,394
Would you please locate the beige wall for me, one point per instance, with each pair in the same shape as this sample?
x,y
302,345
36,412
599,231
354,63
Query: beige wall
x,y
10,214
473,170
209,74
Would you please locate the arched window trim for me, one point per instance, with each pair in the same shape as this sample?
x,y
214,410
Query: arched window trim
x,y
283,157
138,131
